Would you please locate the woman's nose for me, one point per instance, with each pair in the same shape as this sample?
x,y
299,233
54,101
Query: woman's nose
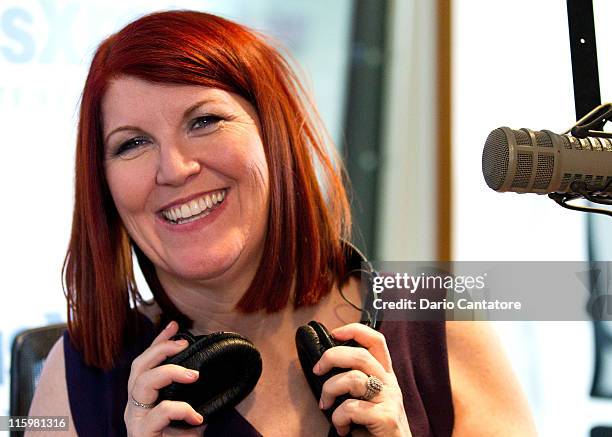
x,y
176,165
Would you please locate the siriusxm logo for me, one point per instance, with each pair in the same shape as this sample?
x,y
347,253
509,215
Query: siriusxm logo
x,y
57,32
19,27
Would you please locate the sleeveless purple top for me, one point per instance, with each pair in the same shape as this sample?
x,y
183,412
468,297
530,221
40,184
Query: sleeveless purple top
x,y
420,361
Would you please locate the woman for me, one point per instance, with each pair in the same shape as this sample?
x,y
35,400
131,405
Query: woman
x,y
196,150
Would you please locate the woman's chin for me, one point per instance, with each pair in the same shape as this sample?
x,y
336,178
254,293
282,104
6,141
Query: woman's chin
x,y
202,268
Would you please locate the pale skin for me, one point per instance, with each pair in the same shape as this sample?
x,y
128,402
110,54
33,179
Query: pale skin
x,y
194,140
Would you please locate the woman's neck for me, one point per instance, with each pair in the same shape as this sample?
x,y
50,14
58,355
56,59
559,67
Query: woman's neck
x,y
213,309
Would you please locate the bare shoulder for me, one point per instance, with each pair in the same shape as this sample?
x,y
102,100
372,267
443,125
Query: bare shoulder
x,y
487,397
51,395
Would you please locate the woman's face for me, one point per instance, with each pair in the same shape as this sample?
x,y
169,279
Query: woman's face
x,y
188,174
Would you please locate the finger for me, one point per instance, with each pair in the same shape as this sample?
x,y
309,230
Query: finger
x,y
348,357
359,412
154,355
166,333
367,337
147,384
353,382
161,416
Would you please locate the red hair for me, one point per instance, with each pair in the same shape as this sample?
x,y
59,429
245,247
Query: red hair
x,y
308,217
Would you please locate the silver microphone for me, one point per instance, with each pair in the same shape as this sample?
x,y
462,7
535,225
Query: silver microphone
x,y
526,161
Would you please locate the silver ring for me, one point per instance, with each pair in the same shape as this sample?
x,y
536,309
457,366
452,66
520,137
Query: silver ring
x,y
373,387
141,405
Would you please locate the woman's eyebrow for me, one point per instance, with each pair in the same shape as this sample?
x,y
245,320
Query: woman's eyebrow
x,y
189,111
119,129
186,115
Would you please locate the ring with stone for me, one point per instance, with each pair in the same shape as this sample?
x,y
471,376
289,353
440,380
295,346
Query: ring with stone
x,y
373,386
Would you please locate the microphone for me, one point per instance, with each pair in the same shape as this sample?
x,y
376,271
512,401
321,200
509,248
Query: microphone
x,y
526,161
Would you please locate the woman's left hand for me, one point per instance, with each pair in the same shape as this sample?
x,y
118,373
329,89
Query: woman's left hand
x,y
383,414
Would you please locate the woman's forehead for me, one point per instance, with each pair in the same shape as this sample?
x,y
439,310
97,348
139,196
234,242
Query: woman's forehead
x,y
130,98
127,88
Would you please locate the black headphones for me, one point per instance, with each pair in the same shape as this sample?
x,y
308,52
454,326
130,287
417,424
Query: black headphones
x,y
233,365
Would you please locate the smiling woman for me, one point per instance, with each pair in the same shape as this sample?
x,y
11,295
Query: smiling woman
x,y
198,150
244,88
196,167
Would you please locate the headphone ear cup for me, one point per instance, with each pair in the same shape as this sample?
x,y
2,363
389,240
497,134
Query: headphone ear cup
x,y
186,335
229,367
324,338
311,341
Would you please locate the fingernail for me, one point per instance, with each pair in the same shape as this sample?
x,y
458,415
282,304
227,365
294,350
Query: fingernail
x,y
170,325
182,342
321,404
193,374
317,368
200,418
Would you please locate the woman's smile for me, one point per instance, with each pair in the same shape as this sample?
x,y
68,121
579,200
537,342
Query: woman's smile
x,y
186,211
192,215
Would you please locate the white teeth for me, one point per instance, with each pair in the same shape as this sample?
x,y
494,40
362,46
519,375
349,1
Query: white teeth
x,y
185,211
193,208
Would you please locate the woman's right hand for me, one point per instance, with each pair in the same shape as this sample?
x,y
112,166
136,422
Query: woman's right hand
x,y
146,379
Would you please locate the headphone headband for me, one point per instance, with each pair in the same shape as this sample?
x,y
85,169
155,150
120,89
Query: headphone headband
x,y
357,262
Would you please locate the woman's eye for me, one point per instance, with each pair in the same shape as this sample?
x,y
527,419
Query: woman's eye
x,y
205,122
130,146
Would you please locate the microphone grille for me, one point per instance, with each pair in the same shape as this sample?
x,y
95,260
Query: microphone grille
x,y
544,172
495,159
522,137
543,139
523,170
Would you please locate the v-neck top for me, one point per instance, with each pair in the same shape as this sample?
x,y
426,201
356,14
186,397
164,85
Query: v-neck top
x,y
420,362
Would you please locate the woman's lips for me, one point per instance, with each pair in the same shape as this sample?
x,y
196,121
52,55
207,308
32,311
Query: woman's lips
x,y
199,222
196,206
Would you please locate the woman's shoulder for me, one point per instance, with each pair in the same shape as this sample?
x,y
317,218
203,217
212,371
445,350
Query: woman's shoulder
x,y
98,397
483,381
51,395
64,364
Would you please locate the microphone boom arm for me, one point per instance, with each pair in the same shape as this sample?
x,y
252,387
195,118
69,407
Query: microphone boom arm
x,y
592,123
590,192
585,127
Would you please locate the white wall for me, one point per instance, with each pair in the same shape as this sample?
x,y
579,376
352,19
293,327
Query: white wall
x,y
406,218
512,67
